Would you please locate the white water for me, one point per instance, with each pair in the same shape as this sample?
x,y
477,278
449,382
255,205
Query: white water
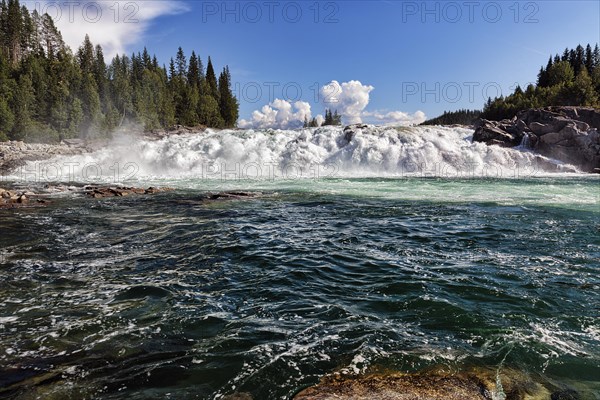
x,y
291,154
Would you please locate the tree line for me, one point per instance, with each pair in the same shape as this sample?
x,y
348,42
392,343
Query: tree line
x,y
331,119
570,79
48,93
459,117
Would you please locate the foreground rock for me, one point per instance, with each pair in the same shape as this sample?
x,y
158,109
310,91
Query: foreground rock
x,y
568,134
98,192
20,199
26,198
477,384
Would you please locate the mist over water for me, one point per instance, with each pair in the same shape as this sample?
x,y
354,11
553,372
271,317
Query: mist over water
x,y
369,267
327,152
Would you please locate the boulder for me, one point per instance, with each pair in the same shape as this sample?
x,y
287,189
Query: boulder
x,y
540,129
567,134
491,133
474,384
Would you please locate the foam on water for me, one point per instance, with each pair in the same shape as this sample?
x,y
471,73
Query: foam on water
x,y
326,152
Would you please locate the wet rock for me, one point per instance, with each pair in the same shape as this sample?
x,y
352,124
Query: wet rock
x,y
432,385
20,199
568,134
104,192
238,396
492,133
351,131
233,195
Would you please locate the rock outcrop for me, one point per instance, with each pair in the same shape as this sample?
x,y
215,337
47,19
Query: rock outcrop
x,y
567,134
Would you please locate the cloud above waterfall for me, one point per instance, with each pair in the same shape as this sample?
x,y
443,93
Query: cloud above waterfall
x,y
350,99
113,25
280,114
394,118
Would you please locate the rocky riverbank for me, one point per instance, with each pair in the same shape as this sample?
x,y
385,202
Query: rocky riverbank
x,y
567,134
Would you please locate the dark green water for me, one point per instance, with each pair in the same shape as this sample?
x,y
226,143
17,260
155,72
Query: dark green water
x,y
170,297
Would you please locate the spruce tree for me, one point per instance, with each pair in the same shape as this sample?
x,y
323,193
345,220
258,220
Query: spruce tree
x,y
14,26
85,56
181,63
589,59
193,75
99,71
211,78
228,104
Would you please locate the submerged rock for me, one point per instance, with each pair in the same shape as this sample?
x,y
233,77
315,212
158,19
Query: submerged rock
x,y
482,384
19,199
238,396
568,134
28,198
120,191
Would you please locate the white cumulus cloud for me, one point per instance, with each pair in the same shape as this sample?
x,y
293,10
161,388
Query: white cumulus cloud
x,y
348,98
114,25
396,118
279,114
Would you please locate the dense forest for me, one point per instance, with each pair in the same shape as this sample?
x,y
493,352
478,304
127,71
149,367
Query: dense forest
x,y
48,93
570,79
460,117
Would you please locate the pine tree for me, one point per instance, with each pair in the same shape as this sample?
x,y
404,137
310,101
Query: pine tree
x,y
14,27
561,72
24,102
27,35
582,91
228,104
181,63
543,74
208,109
211,78
85,56
171,69
589,59
146,60
51,39
579,59
99,72
596,56
193,75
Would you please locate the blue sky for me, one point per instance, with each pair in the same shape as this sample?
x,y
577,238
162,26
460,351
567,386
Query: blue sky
x,y
409,56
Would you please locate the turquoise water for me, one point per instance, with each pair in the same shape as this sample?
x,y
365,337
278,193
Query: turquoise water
x,y
175,296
